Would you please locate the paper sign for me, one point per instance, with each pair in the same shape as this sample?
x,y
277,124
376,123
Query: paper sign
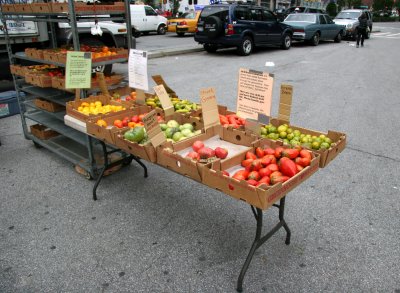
x,y
153,129
209,107
137,69
253,126
159,80
285,102
164,99
140,97
254,93
78,70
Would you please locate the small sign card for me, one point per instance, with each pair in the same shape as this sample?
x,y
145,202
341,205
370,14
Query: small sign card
x,y
285,102
209,107
137,70
254,93
153,129
78,70
164,99
159,80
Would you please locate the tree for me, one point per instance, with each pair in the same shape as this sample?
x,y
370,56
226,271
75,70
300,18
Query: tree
x,y
382,5
331,9
175,7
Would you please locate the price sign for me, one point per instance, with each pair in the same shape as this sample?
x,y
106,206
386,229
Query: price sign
x,y
285,102
78,70
209,107
137,69
254,93
159,80
153,129
164,99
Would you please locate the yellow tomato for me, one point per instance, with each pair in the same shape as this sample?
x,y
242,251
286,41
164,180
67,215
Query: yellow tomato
x,y
101,123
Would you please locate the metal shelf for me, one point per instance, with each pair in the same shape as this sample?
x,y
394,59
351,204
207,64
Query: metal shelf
x,y
50,94
52,122
58,115
22,55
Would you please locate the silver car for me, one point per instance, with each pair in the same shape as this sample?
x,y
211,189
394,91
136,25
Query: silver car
x,y
349,18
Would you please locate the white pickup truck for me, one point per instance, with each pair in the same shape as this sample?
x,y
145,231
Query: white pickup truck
x,y
27,34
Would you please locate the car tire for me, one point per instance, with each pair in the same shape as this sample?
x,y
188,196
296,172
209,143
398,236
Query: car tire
x,y
338,38
180,34
246,46
210,48
286,42
106,69
213,26
315,39
161,29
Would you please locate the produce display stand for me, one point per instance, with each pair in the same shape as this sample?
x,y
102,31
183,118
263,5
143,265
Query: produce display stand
x,y
74,146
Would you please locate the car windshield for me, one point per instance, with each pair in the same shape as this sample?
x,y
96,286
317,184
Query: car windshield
x,y
189,15
301,17
295,9
348,15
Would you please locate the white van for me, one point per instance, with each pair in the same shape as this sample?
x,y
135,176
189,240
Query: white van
x,y
145,19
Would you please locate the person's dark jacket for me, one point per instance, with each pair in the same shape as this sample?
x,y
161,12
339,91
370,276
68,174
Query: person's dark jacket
x,y
363,22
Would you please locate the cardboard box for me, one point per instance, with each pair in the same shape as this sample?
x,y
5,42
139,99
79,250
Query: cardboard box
x,y
43,80
262,198
146,152
108,133
50,55
41,7
17,70
173,156
59,7
72,107
48,105
23,8
42,131
337,146
8,7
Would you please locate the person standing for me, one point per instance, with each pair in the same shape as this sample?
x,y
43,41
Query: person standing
x,y
362,29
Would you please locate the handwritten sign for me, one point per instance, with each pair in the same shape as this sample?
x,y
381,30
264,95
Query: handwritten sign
x,y
164,99
153,129
285,102
78,70
254,93
209,107
137,69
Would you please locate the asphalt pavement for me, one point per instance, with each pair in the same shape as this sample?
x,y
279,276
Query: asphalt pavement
x,y
167,233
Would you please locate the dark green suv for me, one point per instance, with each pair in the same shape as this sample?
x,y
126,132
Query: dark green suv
x,y
240,25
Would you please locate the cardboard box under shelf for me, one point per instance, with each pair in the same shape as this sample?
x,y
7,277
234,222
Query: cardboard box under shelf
x,y
146,152
327,155
72,107
258,197
173,156
42,132
108,133
48,105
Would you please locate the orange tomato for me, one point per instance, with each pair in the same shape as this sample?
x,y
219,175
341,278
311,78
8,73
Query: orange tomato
x,y
105,49
131,124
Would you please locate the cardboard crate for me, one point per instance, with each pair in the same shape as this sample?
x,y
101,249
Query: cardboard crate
x,y
61,58
42,131
173,156
17,70
146,152
30,78
260,197
108,133
327,155
59,7
23,8
30,52
43,80
8,8
41,7
71,107
48,105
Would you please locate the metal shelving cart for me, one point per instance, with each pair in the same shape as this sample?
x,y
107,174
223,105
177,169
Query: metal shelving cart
x,y
72,145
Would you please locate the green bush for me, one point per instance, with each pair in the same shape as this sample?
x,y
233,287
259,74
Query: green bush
x,y
331,9
385,19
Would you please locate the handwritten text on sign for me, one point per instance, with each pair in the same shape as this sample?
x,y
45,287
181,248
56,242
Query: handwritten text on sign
x,y
164,99
209,107
137,69
254,94
153,129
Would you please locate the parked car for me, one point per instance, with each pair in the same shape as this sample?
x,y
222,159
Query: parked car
x,y
145,19
314,27
299,9
243,26
186,24
349,18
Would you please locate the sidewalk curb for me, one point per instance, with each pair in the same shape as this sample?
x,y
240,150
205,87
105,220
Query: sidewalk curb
x,y
172,52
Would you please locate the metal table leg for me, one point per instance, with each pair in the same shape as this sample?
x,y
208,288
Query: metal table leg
x,y
258,241
106,166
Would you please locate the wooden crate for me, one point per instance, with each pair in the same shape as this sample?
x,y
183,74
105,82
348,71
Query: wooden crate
x,y
41,7
42,132
48,105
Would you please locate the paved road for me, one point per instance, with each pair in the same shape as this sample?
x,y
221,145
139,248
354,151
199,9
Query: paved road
x,y
169,234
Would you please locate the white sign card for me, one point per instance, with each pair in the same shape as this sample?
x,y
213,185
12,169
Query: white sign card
x,y
137,69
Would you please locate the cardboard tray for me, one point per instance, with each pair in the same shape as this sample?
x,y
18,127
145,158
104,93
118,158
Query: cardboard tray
x,y
146,152
48,105
42,132
59,7
41,7
262,198
337,146
72,105
8,7
107,134
173,156
23,8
